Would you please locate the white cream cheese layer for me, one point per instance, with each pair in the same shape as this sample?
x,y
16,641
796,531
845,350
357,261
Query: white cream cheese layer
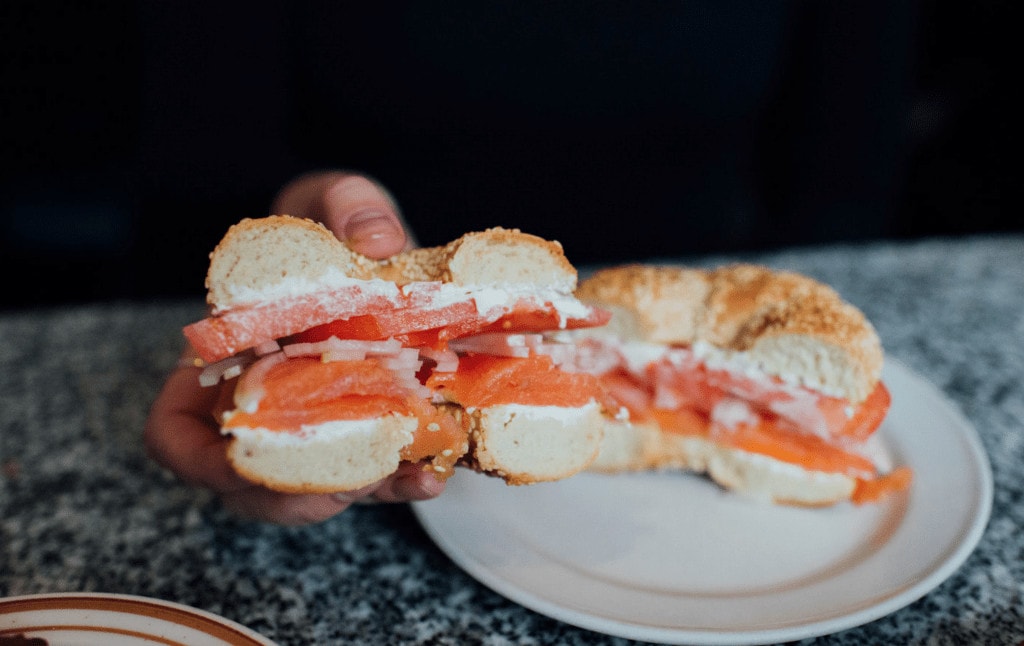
x,y
554,413
493,300
292,286
489,300
319,432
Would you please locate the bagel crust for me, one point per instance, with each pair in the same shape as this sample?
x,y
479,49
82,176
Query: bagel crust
x,y
520,444
786,323
531,444
327,464
777,324
643,447
271,278
257,254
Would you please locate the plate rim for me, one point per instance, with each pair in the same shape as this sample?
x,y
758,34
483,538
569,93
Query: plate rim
x,y
947,561
244,635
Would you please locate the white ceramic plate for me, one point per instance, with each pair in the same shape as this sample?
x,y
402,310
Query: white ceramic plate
x,y
94,619
668,557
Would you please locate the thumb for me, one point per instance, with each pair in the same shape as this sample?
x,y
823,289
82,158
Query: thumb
x,y
360,212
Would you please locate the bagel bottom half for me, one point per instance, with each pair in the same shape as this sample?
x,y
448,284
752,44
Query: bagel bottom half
x,y
330,457
638,447
530,444
520,444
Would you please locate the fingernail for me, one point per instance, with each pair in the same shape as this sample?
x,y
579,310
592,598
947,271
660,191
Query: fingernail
x,y
422,486
370,224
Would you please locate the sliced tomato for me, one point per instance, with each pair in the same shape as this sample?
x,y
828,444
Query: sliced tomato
x,y
219,337
372,327
352,313
453,322
484,380
363,328
534,320
434,328
439,337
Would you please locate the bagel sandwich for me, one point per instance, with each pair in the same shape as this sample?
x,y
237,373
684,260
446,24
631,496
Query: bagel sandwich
x,y
766,381
343,367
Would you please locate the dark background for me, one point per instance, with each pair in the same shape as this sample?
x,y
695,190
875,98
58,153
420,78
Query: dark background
x,y
133,134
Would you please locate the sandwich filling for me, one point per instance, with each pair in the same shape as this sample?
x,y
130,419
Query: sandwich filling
x,y
406,351
688,391
419,313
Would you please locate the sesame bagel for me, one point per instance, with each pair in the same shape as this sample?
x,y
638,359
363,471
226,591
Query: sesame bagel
x,y
767,381
255,255
343,366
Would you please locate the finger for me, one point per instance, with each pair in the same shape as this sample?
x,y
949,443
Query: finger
x,y
182,437
181,434
364,216
258,503
409,482
359,211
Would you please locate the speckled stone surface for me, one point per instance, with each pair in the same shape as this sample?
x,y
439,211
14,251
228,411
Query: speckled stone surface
x,y
82,509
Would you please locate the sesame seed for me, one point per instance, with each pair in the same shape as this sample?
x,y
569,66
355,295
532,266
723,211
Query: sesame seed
x,y
439,468
447,452
433,426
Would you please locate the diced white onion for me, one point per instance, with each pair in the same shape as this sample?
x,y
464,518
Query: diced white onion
x,y
409,381
561,354
341,355
408,359
446,360
213,373
567,356
335,349
499,344
585,356
666,398
293,350
267,347
404,367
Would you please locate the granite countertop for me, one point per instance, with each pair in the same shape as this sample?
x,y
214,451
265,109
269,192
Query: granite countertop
x,y
82,509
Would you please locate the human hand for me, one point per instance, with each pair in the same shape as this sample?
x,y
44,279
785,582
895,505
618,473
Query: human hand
x,y
360,212
182,433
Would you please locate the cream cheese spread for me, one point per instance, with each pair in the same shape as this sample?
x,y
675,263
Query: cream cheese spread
x,y
325,432
555,413
490,301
